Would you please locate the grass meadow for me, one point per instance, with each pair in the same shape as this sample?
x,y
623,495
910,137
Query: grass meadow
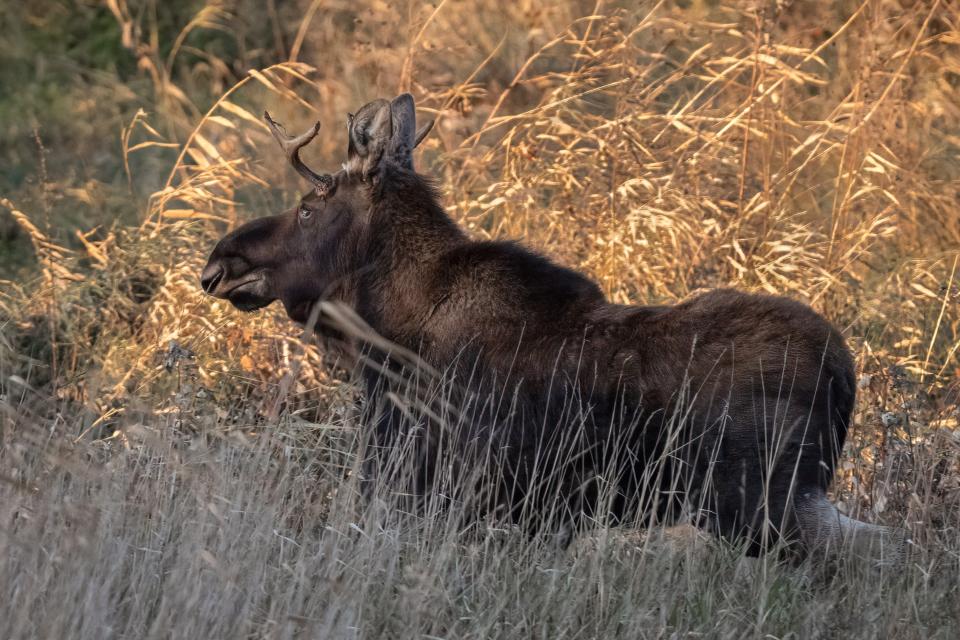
x,y
173,468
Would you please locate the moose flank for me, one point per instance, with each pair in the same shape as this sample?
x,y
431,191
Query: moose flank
x,y
729,408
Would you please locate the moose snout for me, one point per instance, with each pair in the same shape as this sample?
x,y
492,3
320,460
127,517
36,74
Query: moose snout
x,y
232,278
211,276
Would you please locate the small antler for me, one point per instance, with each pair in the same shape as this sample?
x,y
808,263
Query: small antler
x,y
422,133
291,147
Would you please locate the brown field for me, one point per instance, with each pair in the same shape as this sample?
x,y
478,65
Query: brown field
x,y
171,467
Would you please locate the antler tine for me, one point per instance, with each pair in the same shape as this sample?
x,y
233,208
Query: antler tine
x,y
291,147
422,133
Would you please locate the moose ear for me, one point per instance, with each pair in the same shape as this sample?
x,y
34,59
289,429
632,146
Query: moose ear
x,y
404,116
406,136
371,133
384,130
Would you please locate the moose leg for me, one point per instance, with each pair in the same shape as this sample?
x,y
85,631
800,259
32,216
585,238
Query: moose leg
x,y
399,461
380,441
750,510
826,531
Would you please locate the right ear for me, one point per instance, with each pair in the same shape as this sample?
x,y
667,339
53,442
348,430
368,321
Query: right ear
x,y
370,134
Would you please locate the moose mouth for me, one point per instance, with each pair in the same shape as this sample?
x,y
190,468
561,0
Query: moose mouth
x,y
247,294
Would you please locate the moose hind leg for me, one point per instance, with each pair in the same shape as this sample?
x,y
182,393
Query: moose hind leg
x,y
745,507
826,532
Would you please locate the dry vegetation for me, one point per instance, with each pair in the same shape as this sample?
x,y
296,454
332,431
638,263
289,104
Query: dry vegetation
x,y
170,467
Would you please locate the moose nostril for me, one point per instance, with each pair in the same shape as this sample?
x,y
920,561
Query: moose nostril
x,y
211,277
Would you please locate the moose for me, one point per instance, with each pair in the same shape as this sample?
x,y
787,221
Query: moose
x,y
729,407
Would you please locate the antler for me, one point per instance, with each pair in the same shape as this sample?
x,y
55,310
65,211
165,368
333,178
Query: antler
x,y
422,133
291,147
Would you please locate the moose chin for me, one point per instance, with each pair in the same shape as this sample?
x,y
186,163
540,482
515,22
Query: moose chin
x,y
729,409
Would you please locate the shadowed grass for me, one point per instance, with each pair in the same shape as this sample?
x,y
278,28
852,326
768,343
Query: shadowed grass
x,y
242,534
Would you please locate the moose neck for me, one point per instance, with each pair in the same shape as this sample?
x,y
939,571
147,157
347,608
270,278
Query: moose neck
x,y
409,233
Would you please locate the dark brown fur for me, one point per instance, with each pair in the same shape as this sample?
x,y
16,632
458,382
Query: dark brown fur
x,y
741,401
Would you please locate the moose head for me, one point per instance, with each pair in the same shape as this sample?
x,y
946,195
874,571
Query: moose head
x,y
308,252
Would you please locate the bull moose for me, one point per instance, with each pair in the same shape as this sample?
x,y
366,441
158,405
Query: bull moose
x,y
731,406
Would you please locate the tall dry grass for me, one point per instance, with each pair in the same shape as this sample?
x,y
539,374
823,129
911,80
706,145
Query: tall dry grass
x,y
175,467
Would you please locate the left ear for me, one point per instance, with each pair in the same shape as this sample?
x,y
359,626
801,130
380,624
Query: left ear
x,y
404,116
406,137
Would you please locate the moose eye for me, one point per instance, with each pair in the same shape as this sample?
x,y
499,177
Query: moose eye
x,y
305,212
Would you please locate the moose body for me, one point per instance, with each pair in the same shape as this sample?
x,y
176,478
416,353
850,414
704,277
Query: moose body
x,y
731,406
